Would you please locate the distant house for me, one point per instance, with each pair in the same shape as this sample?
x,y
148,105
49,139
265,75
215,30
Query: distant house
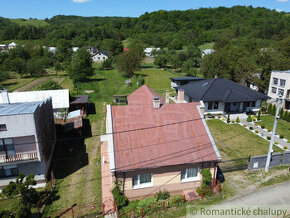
x,y
220,95
92,50
52,50
3,47
149,51
100,56
75,49
153,145
60,98
12,45
27,139
280,85
179,81
207,52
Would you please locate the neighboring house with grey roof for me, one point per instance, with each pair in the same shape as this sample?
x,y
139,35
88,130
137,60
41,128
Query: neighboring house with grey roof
x,y
100,56
221,96
27,139
207,52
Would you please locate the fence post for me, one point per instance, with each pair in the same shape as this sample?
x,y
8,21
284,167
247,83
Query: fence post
x,y
184,199
220,187
202,195
115,207
103,208
142,212
163,205
72,212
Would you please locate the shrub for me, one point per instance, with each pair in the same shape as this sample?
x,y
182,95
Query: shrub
x,y
281,137
251,128
233,121
273,112
219,116
249,119
269,130
238,120
256,131
263,127
244,125
50,85
120,198
175,200
223,119
228,119
276,143
162,195
256,124
206,182
269,137
285,147
254,119
269,109
140,80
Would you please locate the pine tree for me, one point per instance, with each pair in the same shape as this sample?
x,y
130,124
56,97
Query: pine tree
x,y
281,113
228,119
269,109
238,120
249,119
259,115
285,116
274,110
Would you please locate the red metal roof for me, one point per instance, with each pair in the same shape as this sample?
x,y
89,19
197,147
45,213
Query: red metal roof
x,y
145,137
144,96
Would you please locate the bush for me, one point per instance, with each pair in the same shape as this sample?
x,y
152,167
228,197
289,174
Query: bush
x,y
285,147
254,119
249,119
50,85
269,137
251,128
256,131
269,130
281,137
233,121
263,127
244,125
23,210
238,120
269,109
140,80
259,115
206,182
162,195
120,198
276,143
175,200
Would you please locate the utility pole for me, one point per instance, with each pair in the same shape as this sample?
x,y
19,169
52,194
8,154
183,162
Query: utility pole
x,y
279,99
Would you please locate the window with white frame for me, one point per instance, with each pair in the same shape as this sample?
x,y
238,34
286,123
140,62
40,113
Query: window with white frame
x,y
274,90
282,82
142,181
275,81
281,92
190,174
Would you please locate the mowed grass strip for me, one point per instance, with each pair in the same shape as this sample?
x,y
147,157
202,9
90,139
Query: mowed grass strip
x,y
234,141
283,127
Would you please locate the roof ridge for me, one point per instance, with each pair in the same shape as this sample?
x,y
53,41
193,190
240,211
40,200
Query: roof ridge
x,y
208,87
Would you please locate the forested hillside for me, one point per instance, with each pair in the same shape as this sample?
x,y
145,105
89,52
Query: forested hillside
x,y
249,42
157,28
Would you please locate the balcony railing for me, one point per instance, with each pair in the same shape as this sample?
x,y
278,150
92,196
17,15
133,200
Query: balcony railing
x,y
19,157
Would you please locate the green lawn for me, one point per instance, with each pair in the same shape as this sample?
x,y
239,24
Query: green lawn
x,y
206,46
36,23
283,127
234,141
13,84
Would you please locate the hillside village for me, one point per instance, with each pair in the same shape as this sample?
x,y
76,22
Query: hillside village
x,y
143,117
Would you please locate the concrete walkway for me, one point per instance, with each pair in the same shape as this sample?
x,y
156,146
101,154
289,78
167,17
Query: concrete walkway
x,y
274,195
107,184
264,133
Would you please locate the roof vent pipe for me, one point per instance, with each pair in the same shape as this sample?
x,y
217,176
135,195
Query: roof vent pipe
x,y
156,102
5,96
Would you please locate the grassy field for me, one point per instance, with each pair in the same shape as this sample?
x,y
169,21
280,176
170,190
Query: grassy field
x,y
36,23
234,141
206,46
283,127
16,83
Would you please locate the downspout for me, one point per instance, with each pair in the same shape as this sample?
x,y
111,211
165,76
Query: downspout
x,y
123,188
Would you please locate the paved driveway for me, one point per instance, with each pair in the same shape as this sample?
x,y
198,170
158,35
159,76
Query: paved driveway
x,y
274,195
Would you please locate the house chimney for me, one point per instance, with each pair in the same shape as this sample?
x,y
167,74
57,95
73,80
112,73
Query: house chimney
x,y
156,102
180,96
167,96
5,96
